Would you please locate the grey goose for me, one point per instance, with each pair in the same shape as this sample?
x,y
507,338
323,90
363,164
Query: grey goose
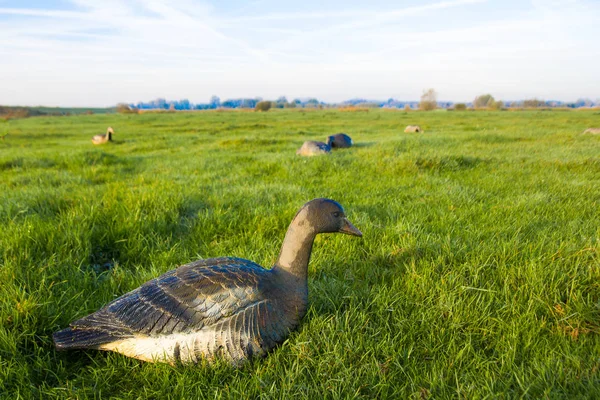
x,y
313,148
339,141
220,307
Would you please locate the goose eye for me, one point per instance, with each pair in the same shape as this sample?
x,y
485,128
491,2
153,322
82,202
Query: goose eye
x,y
336,214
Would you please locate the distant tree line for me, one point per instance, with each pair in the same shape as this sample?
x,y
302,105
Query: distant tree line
x,y
13,112
215,102
19,112
428,101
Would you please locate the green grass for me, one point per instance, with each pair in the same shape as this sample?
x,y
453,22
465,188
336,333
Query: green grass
x,y
478,274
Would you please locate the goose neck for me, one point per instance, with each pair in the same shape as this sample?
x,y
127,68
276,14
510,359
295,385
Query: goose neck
x,y
297,247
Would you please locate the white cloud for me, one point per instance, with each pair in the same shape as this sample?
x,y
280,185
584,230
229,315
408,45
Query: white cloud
x,y
100,53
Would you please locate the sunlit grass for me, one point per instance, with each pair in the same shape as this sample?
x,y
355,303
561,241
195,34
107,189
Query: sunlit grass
x,y
478,273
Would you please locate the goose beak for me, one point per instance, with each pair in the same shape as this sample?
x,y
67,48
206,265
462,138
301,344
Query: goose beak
x,y
349,229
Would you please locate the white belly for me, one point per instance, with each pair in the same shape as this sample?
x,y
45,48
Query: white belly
x,y
184,347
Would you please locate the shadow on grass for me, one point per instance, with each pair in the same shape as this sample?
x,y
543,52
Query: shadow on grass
x,y
448,163
111,243
364,144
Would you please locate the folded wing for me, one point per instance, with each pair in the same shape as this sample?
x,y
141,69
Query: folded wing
x,y
187,299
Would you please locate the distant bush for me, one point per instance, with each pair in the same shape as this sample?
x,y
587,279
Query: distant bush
x,y
407,107
123,108
311,103
351,108
428,100
7,112
483,101
497,105
263,106
280,102
460,107
533,103
367,105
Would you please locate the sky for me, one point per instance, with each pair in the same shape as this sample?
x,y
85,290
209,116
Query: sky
x,y
102,52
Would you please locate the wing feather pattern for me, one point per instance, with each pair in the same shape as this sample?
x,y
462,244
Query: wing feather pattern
x,y
204,293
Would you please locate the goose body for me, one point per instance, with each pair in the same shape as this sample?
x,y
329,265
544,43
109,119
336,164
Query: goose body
x,y
100,139
313,148
339,141
220,307
413,128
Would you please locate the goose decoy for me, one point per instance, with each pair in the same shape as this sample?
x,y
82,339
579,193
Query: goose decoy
x,y
413,128
313,148
339,141
220,307
100,139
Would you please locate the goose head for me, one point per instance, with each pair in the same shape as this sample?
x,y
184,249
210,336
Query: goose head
x,y
327,216
316,216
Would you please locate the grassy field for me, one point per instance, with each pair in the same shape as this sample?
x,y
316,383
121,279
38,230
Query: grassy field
x,y
478,274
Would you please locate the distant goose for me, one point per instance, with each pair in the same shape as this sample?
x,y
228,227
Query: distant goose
x,y
100,139
313,148
592,131
339,141
219,307
413,128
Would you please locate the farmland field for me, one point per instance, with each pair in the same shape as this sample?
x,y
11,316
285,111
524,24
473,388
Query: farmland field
x,y
478,273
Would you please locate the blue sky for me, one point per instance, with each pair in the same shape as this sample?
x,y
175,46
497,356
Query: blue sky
x,y
98,53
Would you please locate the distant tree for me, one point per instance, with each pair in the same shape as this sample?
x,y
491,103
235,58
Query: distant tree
x,y
263,106
407,107
584,103
248,103
428,100
183,105
124,108
312,103
533,103
460,106
281,102
484,101
497,105
230,103
291,104
159,103
215,101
